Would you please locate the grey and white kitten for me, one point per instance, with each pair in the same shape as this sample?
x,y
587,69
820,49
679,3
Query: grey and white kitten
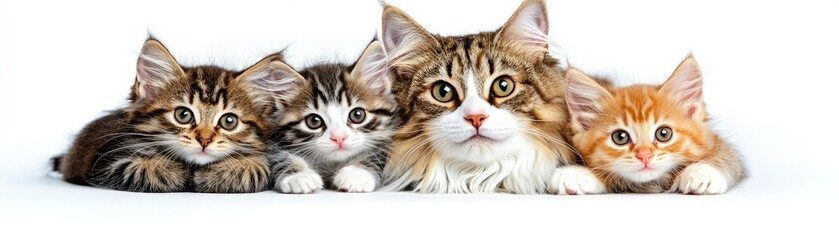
x,y
336,126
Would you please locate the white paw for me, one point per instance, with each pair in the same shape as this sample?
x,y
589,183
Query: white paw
x,y
575,180
700,178
354,179
301,183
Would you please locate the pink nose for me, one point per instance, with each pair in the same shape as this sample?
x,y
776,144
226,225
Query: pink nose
x,y
644,156
476,119
338,139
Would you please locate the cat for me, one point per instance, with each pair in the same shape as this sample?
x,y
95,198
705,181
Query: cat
x,y
197,129
646,139
482,112
337,125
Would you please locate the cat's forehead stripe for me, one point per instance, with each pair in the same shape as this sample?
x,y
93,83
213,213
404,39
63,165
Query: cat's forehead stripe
x,y
328,84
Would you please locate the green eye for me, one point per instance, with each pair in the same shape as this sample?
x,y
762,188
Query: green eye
x,y
503,86
620,137
314,121
663,134
357,115
228,121
183,115
443,91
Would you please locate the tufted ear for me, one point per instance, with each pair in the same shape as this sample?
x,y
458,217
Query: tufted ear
x,y
586,99
155,69
371,69
402,36
275,82
527,29
685,85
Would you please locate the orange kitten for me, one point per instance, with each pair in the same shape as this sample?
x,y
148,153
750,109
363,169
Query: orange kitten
x,y
646,138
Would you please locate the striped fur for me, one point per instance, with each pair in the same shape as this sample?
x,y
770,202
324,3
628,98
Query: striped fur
x,y
524,136
331,92
693,160
144,148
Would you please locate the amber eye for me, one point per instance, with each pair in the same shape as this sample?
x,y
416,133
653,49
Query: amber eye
x,y
228,121
314,121
357,115
183,115
503,86
443,91
663,134
620,137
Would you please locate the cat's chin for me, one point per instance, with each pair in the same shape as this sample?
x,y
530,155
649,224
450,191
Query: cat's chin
x,y
340,155
639,174
201,158
482,150
643,176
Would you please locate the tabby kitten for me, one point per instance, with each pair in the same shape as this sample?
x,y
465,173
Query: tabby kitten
x,y
185,128
483,112
337,125
646,138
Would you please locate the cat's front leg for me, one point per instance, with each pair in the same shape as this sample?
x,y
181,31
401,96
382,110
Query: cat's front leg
x,y
575,180
143,174
294,175
233,175
700,178
356,178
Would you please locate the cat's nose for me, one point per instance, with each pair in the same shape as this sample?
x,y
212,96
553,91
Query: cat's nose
x,y
476,119
204,141
338,139
644,156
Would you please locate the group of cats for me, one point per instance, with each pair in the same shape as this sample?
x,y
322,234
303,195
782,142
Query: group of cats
x,y
479,113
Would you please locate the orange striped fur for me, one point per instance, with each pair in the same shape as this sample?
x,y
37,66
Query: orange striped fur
x,y
693,159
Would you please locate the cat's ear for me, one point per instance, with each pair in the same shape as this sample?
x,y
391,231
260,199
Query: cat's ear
x,y
155,69
274,81
371,69
586,99
685,85
527,29
402,36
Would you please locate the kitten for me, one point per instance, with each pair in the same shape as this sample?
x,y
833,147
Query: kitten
x,y
185,128
646,138
337,125
483,112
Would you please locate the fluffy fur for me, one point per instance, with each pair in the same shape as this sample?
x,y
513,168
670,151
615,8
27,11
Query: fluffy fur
x,y
692,159
476,140
321,135
196,128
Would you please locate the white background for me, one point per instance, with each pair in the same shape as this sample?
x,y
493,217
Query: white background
x,y
770,83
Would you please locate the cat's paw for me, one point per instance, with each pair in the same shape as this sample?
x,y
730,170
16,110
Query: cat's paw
x,y
354,179
301,183
700,178
234,175
575,180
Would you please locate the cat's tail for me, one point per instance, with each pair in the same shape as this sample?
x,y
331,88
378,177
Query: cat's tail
x,y
55,165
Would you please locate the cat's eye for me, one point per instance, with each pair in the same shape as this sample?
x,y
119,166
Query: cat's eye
x,y
503,86
357,115
621,137
314,121
228,121
663,134
443,91
184,115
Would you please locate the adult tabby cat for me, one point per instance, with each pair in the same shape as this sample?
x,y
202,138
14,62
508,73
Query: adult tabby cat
x,y
337,125
185,128
483,112
646,138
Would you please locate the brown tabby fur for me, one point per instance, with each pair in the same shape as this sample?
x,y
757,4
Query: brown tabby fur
x,y
538,102
123,150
